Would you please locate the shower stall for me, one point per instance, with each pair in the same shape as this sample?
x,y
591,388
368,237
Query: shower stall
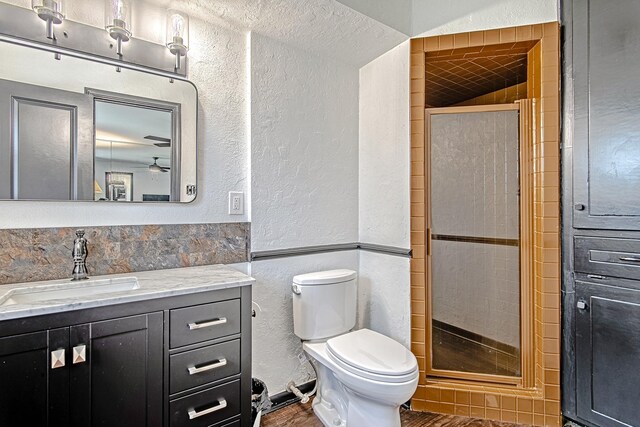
x,y
476,277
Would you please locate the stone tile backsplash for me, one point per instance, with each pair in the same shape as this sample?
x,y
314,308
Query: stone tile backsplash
x,y
34,254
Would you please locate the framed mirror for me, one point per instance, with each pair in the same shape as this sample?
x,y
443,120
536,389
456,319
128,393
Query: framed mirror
x,y
80,130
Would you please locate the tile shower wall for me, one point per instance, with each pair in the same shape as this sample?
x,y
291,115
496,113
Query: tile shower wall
x,y
503,96
476,288
32,254
539,405
474,192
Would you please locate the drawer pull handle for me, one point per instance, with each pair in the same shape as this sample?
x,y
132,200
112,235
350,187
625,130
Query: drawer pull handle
x,y
214,322
630,258
220,363
222,403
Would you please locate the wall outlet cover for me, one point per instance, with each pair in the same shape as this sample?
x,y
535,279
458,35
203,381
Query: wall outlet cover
x,y
236,203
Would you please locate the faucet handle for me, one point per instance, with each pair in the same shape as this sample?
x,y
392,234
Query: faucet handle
x,y
80,232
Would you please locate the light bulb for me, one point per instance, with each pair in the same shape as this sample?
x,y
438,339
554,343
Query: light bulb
x,y
117,19
177,34
177,31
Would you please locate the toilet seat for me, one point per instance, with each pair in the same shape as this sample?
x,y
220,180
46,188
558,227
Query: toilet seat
x,y
374,356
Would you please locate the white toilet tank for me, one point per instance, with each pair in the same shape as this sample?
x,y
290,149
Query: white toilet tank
x,y
324,304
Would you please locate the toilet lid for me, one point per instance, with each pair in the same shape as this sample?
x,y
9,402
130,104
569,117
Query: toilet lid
x,y
372,352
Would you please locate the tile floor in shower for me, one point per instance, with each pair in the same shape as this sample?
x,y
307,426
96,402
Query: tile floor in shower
x,y
460,352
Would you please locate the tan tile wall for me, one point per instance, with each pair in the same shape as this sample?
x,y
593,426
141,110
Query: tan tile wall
x,y
539,405
503,96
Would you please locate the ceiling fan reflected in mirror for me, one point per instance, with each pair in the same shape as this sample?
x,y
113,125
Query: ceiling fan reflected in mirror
x,y
155,167
161,141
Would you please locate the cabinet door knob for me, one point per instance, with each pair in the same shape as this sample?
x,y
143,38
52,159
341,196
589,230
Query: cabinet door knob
x,y
57,358
579,207
582,305
79,354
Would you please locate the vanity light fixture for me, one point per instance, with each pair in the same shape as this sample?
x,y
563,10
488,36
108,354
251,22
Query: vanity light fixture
x,y
51,12
117,14
177,35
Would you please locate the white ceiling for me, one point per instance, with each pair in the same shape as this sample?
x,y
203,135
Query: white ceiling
x,y
352,31
326,27
394,13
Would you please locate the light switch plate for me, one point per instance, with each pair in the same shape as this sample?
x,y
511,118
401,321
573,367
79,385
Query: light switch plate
x,y
236,203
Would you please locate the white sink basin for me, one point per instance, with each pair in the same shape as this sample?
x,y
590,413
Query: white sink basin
x,y
68,290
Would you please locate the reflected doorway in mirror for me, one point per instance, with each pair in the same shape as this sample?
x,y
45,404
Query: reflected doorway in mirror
x,y
119,186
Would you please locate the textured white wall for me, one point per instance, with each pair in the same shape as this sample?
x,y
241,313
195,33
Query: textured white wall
x,y
383,295
217,67
304,186
384,286
435,17
275,346
384,149
304,148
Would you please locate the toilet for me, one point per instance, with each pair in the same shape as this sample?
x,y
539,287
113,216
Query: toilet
x,y
362,376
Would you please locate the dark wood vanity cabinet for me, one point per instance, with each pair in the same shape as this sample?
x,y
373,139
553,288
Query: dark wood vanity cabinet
x,y
116,371
178,361
31,393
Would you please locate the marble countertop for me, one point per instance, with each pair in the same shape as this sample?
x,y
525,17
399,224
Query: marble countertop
x,y
150,284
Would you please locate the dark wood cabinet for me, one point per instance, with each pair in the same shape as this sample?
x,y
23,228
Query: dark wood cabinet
x,y
601,212
113,366
606,121
33,392
608,354
116,372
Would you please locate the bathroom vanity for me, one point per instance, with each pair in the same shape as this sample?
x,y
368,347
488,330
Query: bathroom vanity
x,y
157,348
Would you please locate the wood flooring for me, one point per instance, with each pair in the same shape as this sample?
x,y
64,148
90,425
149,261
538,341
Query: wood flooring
x,y
299,414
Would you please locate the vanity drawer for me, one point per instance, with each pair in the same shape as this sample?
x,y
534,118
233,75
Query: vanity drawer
x,y
608,257
206,407
204,322
204,365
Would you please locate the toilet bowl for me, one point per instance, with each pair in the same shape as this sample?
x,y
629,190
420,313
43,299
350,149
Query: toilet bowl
x,y
362,376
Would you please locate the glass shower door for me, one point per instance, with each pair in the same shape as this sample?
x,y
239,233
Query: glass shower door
x,y
474,241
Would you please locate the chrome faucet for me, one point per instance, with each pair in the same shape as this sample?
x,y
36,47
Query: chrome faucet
x,y
79,257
